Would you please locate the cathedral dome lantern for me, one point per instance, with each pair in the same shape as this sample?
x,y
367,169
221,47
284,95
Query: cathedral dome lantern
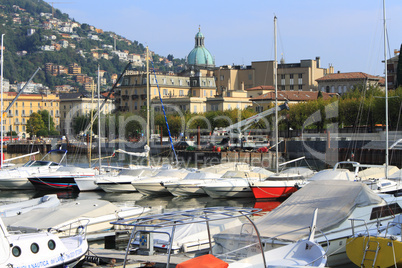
x,y
200,57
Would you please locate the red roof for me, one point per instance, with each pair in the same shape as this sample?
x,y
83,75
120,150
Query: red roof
x,y
293,95
261,88
347,76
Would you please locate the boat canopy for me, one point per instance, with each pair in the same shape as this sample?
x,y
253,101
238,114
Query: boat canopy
x,y
335,201
338,174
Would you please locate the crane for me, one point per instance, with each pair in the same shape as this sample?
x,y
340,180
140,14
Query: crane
x,y
233,134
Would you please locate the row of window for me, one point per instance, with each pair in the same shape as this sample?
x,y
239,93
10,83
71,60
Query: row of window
x,y
339,89
16,250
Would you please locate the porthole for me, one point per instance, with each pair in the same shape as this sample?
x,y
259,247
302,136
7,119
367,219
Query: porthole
x,y
51,244
34,248
16,251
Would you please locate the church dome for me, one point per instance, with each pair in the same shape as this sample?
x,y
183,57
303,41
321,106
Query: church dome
x,y
200,57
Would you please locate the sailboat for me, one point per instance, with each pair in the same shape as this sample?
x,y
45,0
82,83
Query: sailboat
x,y
381,246
277,185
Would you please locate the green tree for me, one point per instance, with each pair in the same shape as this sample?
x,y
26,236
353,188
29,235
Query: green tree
x,y
34,124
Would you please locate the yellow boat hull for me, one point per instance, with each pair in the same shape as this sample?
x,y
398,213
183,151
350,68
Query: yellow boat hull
x,y
389,253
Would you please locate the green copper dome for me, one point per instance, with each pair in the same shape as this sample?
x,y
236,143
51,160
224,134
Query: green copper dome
x,y
200,57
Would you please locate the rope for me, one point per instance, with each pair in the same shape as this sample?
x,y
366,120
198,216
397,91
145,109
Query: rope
x,y
393,253
164,113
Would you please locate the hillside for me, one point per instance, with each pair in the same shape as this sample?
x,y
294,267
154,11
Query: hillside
x,y
34,37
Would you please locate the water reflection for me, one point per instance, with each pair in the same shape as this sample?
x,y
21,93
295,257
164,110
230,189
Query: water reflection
x,y
159,204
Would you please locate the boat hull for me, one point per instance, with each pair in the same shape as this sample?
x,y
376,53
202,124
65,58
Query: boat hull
x,y
151,189
185,190
229,192
54,183
272,189
389,253
117,187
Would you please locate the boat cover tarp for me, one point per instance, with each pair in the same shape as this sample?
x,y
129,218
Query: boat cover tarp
x,y
53,217
339,174
335,201
192,233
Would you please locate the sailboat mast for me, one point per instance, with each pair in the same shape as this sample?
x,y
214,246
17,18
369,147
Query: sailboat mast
x,y
2,107
148,128
386,94
276,101
99,126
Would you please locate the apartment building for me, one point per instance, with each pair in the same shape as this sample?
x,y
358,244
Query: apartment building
x,y
24,106
77,104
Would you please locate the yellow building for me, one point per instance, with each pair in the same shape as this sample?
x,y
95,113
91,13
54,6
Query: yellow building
x,y
183,92
291,76
26,104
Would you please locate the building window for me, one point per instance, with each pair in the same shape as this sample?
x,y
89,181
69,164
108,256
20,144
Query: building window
x,y
292,87
181,93
205,93
300,87
211,93
195,108
291,81
222,77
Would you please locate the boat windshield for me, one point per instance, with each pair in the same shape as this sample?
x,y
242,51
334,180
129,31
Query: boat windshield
x,y
34,163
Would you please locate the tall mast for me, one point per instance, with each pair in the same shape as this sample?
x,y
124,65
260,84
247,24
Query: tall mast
x,y
99,125
276,101
386,94
2,107
148,129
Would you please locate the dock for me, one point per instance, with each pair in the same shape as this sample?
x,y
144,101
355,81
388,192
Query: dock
x,y
111,257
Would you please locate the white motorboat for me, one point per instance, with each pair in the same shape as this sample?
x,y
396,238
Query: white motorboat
x,y
122,181
17,178
18,208
41,249
192,237
153,185
95,214
61,179
234,183
178,237
337,201
191,184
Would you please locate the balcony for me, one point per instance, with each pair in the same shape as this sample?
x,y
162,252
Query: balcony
x,y
117,101
117,93
143,96
125,97
134,97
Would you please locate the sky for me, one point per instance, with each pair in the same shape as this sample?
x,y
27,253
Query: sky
x,y
347,34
